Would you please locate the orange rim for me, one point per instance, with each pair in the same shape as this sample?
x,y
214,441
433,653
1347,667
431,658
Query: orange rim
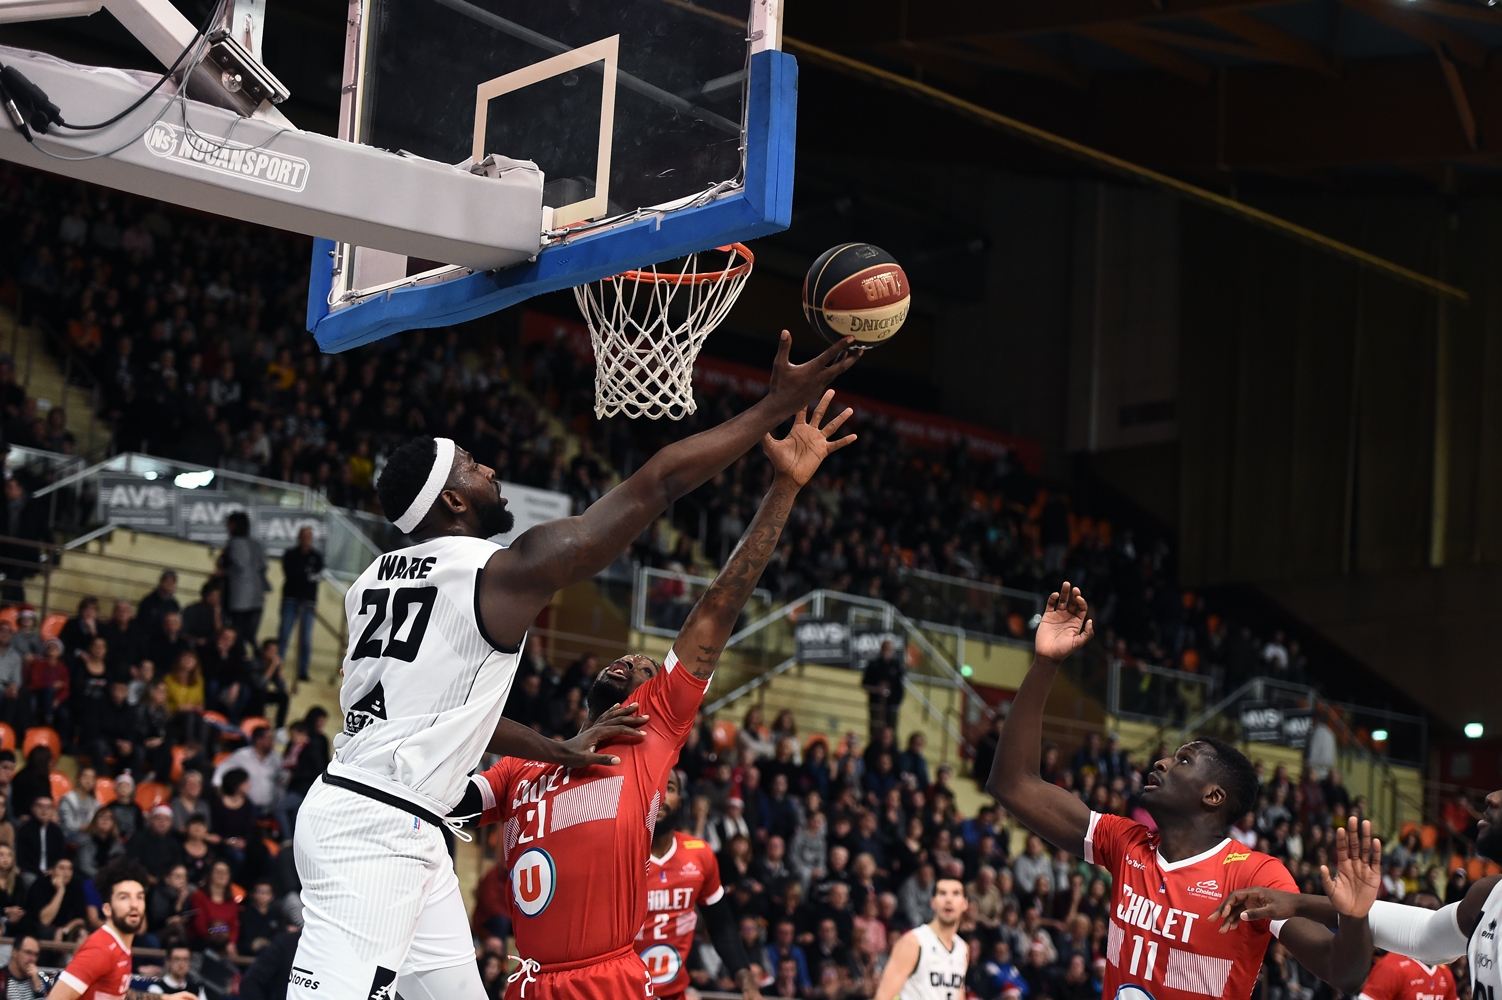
x,y
698,277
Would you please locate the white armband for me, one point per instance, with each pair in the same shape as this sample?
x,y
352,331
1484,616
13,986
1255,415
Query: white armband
x,y
1430,936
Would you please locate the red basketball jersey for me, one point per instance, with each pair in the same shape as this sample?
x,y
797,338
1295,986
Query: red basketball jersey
x,y
1398,977
577,841
100,969
686,878
1159,944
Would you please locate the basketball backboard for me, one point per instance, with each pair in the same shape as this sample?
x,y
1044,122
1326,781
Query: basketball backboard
x,y
661,127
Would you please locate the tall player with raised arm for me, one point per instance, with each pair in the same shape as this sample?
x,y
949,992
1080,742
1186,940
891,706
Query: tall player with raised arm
x,y
1165,884
577,840
1433,937
436,631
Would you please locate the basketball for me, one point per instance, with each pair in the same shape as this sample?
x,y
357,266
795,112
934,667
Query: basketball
x,y
856,290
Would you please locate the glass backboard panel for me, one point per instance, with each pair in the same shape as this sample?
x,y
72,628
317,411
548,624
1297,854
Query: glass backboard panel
x,y
528,79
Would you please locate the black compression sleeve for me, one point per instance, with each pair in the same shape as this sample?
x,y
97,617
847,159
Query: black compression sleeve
x,y
722,932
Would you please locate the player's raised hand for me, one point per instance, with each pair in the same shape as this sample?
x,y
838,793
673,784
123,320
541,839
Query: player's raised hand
x,y
1066,624
794,387
617,724
1358,869
797,456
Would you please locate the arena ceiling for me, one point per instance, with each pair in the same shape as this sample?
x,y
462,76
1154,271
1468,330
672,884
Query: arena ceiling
x,y
1323,92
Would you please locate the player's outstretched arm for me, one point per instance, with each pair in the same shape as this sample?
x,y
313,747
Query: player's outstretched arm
x,y
795,459
902,963
1345,958
1049,811
620,724
519,581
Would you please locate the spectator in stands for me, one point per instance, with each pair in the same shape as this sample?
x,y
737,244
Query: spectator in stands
x,y
198,848
50,685
34,781
19,978
155,605
189,800
185,697
216,917
155,845
128,816
243,563
13,703
258,919
99,842
120,637
56,908
782,948
154,725
169,905
12,891
915,896
267,684
24,528
225,676
204,619
882,679
233,819
81,630
78,806
302,568
26,639
177,973
303,762
168,641
119,734
263,766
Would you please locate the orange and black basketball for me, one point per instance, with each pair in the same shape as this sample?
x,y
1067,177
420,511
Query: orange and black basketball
x,y
856,290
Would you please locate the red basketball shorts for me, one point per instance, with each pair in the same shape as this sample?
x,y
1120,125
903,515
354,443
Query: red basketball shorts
x,y
615,977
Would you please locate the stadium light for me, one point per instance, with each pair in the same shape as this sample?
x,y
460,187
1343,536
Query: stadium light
x,y
1474,730
966,670
1379,735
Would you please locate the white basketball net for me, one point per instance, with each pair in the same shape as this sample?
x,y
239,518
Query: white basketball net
x,y
647,327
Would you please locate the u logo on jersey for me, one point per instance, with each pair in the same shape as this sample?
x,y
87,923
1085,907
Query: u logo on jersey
x,y
662,963
1131,991
532,880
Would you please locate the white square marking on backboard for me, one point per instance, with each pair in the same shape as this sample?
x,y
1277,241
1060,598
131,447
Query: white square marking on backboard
x,y
606,50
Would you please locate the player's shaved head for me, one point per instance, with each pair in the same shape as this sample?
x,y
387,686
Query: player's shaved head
x,y
1235,774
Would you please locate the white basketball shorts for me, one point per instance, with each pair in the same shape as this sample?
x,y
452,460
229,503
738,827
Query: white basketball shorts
x,y
380,898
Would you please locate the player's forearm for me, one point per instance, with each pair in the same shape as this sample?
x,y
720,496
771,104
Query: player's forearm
x,y
512,739
1350,954
710,622
1019,750
726,939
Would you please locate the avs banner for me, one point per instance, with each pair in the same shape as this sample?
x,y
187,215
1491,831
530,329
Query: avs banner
x,y
161,507
1265,723
840,644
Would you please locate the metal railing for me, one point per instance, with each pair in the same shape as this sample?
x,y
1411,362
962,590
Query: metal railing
x,y
977,607
354,538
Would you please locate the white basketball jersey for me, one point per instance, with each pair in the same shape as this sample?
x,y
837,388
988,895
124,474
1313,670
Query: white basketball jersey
x,y
423,684
1483,953
940,974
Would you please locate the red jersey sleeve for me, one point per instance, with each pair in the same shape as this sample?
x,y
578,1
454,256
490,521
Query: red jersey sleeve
x,y
671,700
1384,982
494,793
92,962
1107,837
712,891
1447,979
1270,873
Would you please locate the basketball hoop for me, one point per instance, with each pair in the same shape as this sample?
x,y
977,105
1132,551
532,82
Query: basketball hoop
x,y
647,326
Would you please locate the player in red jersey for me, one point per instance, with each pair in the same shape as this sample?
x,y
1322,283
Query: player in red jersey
x,y
682,874
100,969
577,840
1166,883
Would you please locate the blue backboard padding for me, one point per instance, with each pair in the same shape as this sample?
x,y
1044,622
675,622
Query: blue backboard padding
x,y
765,205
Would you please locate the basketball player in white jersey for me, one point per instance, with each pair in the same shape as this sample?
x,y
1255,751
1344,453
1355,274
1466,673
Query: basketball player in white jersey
x,y
436,631
1433,937
928,962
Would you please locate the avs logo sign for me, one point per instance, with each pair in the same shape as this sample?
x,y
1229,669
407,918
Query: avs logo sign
x,y
254,163
136,502
202,514
662,962
533,879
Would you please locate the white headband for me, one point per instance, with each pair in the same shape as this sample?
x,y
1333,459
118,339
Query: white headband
x,y
443,461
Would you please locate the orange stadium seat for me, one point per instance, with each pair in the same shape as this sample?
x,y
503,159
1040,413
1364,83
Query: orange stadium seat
x,y
104,790
61,785
815,738
216,718
42,736
7,737
179,754
221,757
150,794
251,723
52,627
724,733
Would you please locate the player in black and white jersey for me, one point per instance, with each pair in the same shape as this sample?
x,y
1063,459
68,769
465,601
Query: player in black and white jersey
x,y
929,962
1470,927
436,631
